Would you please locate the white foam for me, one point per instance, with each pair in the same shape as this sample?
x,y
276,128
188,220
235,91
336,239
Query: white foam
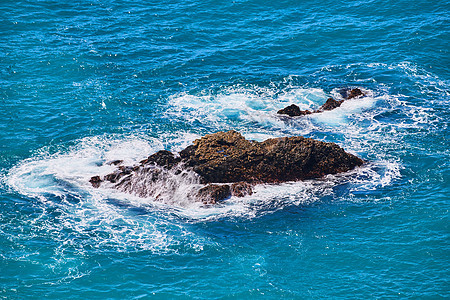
x,y
101,217
359,126
68,172
340,115
75,167
107,218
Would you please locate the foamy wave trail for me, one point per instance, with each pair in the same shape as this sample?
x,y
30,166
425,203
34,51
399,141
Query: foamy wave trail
x,y
101,219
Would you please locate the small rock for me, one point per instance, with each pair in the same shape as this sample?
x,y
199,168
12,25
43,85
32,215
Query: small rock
x,y
95,181
115,162
293,111
113,177
330,104
354,93
214,193
162,158
241,189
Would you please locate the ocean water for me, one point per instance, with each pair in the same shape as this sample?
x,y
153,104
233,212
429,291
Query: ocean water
x,y
86,82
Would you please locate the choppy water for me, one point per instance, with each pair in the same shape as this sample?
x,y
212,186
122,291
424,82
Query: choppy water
x,y
83,83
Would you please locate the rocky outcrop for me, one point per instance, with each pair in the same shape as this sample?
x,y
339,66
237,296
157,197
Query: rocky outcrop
x,y
214,193
228,157
227,164
294,111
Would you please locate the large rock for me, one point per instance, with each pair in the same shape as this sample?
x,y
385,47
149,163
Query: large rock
x,y
227,165
228,157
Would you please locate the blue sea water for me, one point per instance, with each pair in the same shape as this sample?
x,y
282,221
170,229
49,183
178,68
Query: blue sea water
x,y
86,82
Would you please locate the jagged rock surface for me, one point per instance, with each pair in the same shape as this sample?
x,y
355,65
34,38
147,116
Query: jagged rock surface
x,y
228,157
235,163
214,193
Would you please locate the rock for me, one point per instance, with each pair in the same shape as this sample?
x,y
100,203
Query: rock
x,y
162,158
120,173
214,193
95,181
229,165
114,177
330,104
351,93
293,111
226,157
354,93
241,189
115,162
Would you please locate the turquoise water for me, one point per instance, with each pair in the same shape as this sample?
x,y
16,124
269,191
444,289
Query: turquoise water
x,y
86,82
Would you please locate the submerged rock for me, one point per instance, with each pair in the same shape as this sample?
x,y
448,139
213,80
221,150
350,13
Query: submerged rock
x,y
115,162
294,111
95,181
229,165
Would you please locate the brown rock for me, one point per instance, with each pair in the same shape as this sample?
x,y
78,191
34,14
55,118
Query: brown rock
x,y
354,93
214,193
228,157
294,111
115,162
330,104
114,177
348,93
95,181
162,158
241,189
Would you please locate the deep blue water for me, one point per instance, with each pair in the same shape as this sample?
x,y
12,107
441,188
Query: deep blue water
x,y
86,82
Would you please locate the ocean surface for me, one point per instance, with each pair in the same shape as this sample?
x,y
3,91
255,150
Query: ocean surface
x,y
83,83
